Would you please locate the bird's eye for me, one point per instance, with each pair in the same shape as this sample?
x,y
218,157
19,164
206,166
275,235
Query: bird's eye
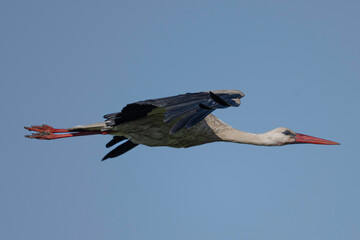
x,y
287,132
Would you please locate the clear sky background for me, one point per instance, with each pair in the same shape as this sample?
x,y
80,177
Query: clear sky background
x,y
66,63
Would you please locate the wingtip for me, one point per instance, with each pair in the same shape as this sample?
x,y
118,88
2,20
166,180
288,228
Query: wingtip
x,y
115,140
218,99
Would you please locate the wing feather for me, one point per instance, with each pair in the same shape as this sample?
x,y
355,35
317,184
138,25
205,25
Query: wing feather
x,y
192,107
115,140
121,149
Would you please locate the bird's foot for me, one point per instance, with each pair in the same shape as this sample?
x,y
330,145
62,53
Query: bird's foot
x,y
46,132
46,128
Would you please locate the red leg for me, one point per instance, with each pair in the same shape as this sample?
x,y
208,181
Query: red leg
x,y
45,128
46,132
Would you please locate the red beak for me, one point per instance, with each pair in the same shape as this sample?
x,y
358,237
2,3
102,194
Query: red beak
x,y
302,138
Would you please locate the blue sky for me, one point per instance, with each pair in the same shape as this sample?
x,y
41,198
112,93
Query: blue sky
x,y
66,63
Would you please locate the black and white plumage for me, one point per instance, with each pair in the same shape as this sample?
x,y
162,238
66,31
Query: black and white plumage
x,y
194,107
179,121
158,120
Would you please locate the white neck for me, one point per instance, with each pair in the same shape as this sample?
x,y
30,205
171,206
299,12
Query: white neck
x,y
237,136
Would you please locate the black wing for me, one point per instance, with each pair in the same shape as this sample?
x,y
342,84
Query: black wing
x,y
192,106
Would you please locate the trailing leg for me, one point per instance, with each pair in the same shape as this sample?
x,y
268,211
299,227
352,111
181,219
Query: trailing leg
x,y
46,132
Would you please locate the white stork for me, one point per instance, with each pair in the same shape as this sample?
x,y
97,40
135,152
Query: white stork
x,y
179,121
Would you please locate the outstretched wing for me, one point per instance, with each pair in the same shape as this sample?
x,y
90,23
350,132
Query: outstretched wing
x,y
192,107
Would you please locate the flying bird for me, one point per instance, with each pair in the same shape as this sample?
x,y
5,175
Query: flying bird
x,y
179,121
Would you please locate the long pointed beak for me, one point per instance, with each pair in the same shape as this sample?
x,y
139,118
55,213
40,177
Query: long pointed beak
x,y
302,138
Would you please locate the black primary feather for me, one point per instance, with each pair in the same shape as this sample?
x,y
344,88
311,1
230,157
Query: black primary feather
x,y
197,117
115,140
181,123
123,148
219,100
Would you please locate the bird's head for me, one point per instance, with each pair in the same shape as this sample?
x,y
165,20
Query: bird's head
x,y
282,136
